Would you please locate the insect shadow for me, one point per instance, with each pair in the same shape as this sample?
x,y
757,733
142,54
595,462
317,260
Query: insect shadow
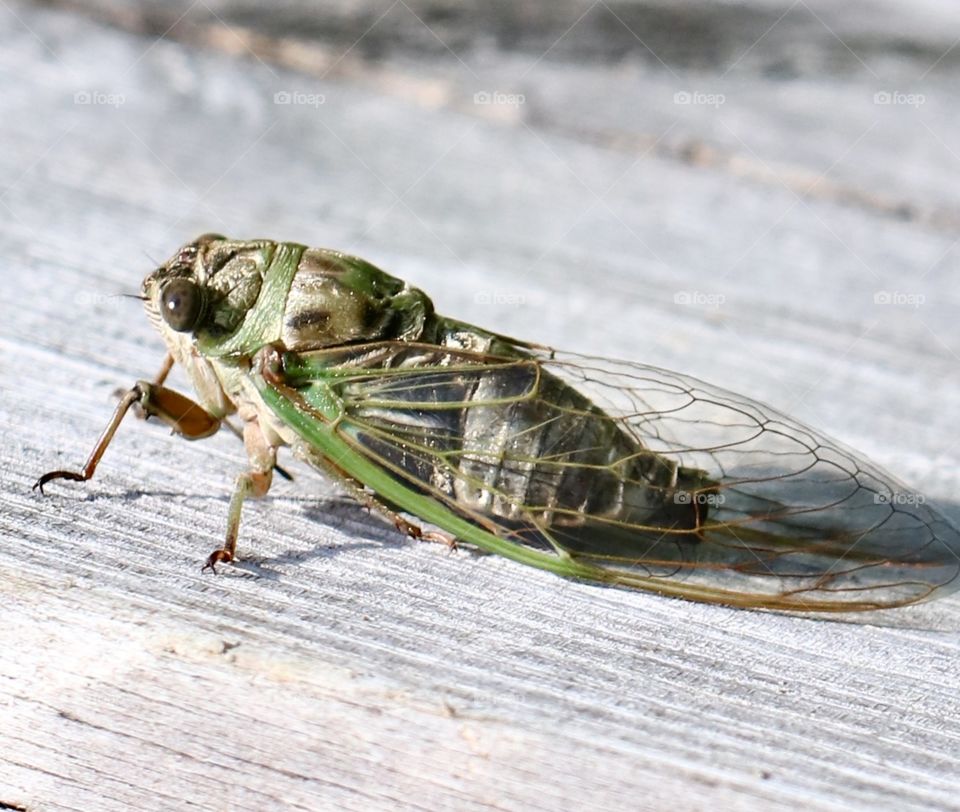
x,y
338,512
364,530
353,519
344,514
350,516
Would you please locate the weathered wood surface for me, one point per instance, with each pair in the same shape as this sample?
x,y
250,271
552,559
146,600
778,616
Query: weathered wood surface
x,y
341,666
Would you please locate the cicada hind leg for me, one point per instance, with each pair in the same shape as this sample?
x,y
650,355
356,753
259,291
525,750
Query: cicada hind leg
x,y
372,503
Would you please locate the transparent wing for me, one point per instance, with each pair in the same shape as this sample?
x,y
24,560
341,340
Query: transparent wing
x,y
636,475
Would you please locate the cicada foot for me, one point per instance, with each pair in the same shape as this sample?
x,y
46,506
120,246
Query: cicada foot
x,y
73,476
441,538
220,556
406,527
416,532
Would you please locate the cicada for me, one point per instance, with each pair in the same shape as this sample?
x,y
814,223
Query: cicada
x,y
606,471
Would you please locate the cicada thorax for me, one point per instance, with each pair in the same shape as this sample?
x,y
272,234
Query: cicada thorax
x,y
336,299
218,302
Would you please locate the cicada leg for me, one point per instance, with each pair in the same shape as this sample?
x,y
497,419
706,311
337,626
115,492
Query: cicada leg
x,y
238,433
370,501
164,370
414,531
253,483
184,416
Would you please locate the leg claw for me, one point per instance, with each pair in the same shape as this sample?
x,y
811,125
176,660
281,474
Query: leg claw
x,y
408,529
442,538
415,532
217,557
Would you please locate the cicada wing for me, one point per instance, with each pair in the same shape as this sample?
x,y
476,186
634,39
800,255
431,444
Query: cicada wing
x,y
639,475
791,512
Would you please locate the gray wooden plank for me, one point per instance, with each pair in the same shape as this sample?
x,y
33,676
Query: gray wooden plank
x,y
341,666
813,94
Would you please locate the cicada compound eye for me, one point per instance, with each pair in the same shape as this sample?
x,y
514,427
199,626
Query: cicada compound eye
x,y
181,304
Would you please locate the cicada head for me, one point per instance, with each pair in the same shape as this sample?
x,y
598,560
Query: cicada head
x,y
209,286
206,290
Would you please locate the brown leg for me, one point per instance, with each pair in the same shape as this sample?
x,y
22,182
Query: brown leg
x,y
90,466
165,368
186,417
369,501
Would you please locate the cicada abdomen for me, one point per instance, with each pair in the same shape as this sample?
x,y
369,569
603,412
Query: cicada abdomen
x,y
511,442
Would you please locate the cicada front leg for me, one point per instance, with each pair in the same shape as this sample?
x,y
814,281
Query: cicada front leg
x,y
184,416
